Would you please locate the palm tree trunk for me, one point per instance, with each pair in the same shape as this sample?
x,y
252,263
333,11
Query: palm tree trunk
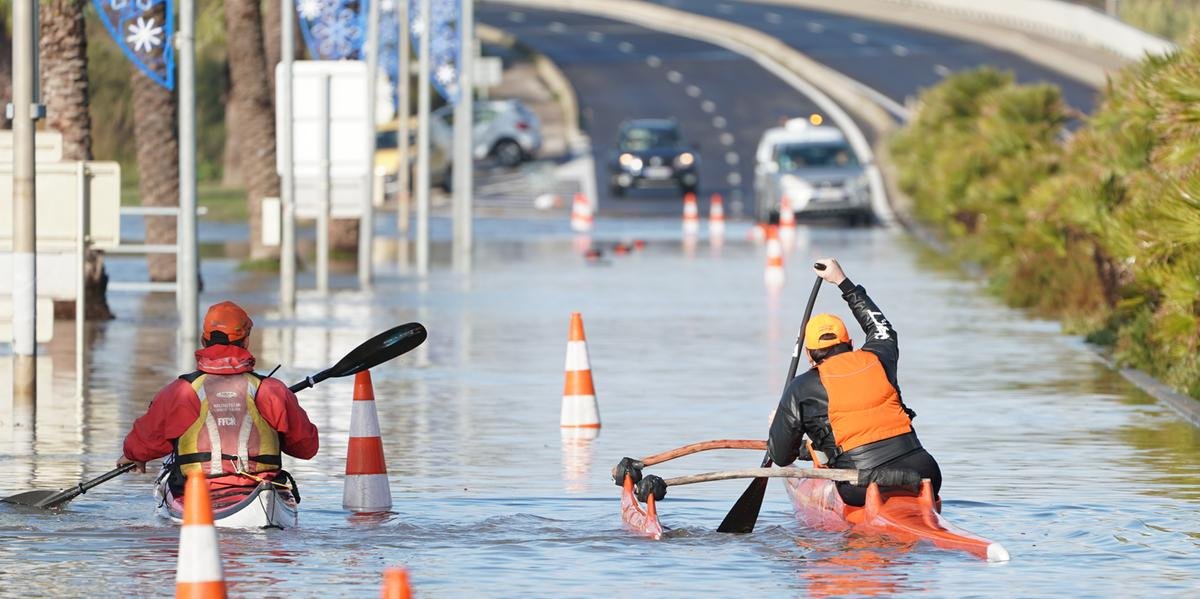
x,y
63,65
5,67
251,95
158,165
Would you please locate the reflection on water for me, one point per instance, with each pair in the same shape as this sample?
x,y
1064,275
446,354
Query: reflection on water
x,y
1091,485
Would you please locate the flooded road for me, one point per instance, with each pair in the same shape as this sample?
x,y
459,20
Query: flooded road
x,y
1092,486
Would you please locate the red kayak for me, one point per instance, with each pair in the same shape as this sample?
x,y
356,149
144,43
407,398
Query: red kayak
x,y
642,521
901,517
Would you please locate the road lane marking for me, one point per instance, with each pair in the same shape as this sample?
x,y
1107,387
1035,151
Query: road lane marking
x,y
942,70
653,61
719,122
708,106
693,91
625,47
858,38
731,158
726,139
674,76
899,50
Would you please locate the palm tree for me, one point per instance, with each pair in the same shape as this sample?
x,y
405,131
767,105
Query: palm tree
x,y
154,128
63,62
250,94
5,66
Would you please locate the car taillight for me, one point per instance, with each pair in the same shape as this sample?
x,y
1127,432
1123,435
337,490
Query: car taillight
x,y
522,125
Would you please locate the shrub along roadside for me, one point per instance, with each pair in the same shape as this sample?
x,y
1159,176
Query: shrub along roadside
x,y
1102,231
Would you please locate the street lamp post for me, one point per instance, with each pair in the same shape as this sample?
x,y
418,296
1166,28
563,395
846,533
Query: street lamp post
x,y
423,100
24,247
464,154
287,181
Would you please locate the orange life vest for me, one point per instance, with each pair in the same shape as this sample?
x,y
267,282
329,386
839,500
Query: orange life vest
x,y
228,436
864,407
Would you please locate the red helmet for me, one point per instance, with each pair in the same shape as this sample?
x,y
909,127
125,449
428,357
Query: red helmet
x,y
226,323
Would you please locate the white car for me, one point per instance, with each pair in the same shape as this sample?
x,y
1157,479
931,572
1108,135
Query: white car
x,y
505,130
815,167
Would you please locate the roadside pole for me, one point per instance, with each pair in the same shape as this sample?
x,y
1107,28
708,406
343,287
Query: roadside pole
x,y
326,188
187,265
423,100
366,224
82,225
464,155
24,249
287,182
403,85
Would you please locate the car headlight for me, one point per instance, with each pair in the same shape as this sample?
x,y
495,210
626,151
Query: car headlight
x,y
685,159
625,159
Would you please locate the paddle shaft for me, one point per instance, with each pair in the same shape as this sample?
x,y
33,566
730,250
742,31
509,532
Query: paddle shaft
x,y
81,488
744,514
840,475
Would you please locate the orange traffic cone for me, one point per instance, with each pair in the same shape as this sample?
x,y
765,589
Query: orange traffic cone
x,y
787,212
716,216
395,584
581,214
580,414
366,488
198,574
774,275
691,214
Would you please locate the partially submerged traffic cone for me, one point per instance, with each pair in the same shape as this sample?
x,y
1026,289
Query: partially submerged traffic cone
x,y
198,574
787,223
716,216
580,416
395,584
774,275
581,214
691,214
366,488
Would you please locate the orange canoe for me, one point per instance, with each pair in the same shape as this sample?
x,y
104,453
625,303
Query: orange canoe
x,y
904,518
642,521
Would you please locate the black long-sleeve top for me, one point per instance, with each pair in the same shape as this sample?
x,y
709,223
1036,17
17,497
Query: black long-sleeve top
x,y
804,407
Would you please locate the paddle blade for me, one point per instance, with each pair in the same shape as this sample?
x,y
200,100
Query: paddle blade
x,y
379,349
744,514
30,498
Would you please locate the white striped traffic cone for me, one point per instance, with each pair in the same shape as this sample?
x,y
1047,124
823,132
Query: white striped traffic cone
x,y
716,216
198,574
581,214
580,414
366,488
774,274
691,214
787,212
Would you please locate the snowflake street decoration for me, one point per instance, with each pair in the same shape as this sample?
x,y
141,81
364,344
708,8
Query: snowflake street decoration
x,y
333,29
444,43
389,45
144,30
144,36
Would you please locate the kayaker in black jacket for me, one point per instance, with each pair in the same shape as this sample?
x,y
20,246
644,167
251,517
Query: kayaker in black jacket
x,y
849,403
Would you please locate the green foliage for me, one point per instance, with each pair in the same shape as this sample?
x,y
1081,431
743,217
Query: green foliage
x,y
1172,19
1102,231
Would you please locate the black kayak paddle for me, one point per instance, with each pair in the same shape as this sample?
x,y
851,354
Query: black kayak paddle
x,y
744,514
370,353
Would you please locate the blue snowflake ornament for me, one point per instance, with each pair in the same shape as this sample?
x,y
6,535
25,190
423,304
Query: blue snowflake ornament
x,y
333,29
144,30
444,44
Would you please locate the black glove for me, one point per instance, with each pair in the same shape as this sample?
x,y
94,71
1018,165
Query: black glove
x,y
651,485
628,466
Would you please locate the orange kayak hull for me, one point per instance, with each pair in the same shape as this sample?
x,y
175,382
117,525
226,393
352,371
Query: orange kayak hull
x,y
641,521
904,518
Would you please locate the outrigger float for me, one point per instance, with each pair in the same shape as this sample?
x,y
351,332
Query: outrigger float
x,y
902,516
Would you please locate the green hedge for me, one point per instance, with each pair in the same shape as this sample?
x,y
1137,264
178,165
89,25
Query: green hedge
x,y
1101,230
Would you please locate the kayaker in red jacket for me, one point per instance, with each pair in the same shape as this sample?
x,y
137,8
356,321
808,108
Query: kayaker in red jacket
x,y
223,419
849,403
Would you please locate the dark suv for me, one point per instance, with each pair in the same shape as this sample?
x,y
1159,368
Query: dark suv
x,y
651,153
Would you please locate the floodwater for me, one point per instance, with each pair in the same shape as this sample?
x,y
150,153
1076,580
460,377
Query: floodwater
x,y
1092,486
